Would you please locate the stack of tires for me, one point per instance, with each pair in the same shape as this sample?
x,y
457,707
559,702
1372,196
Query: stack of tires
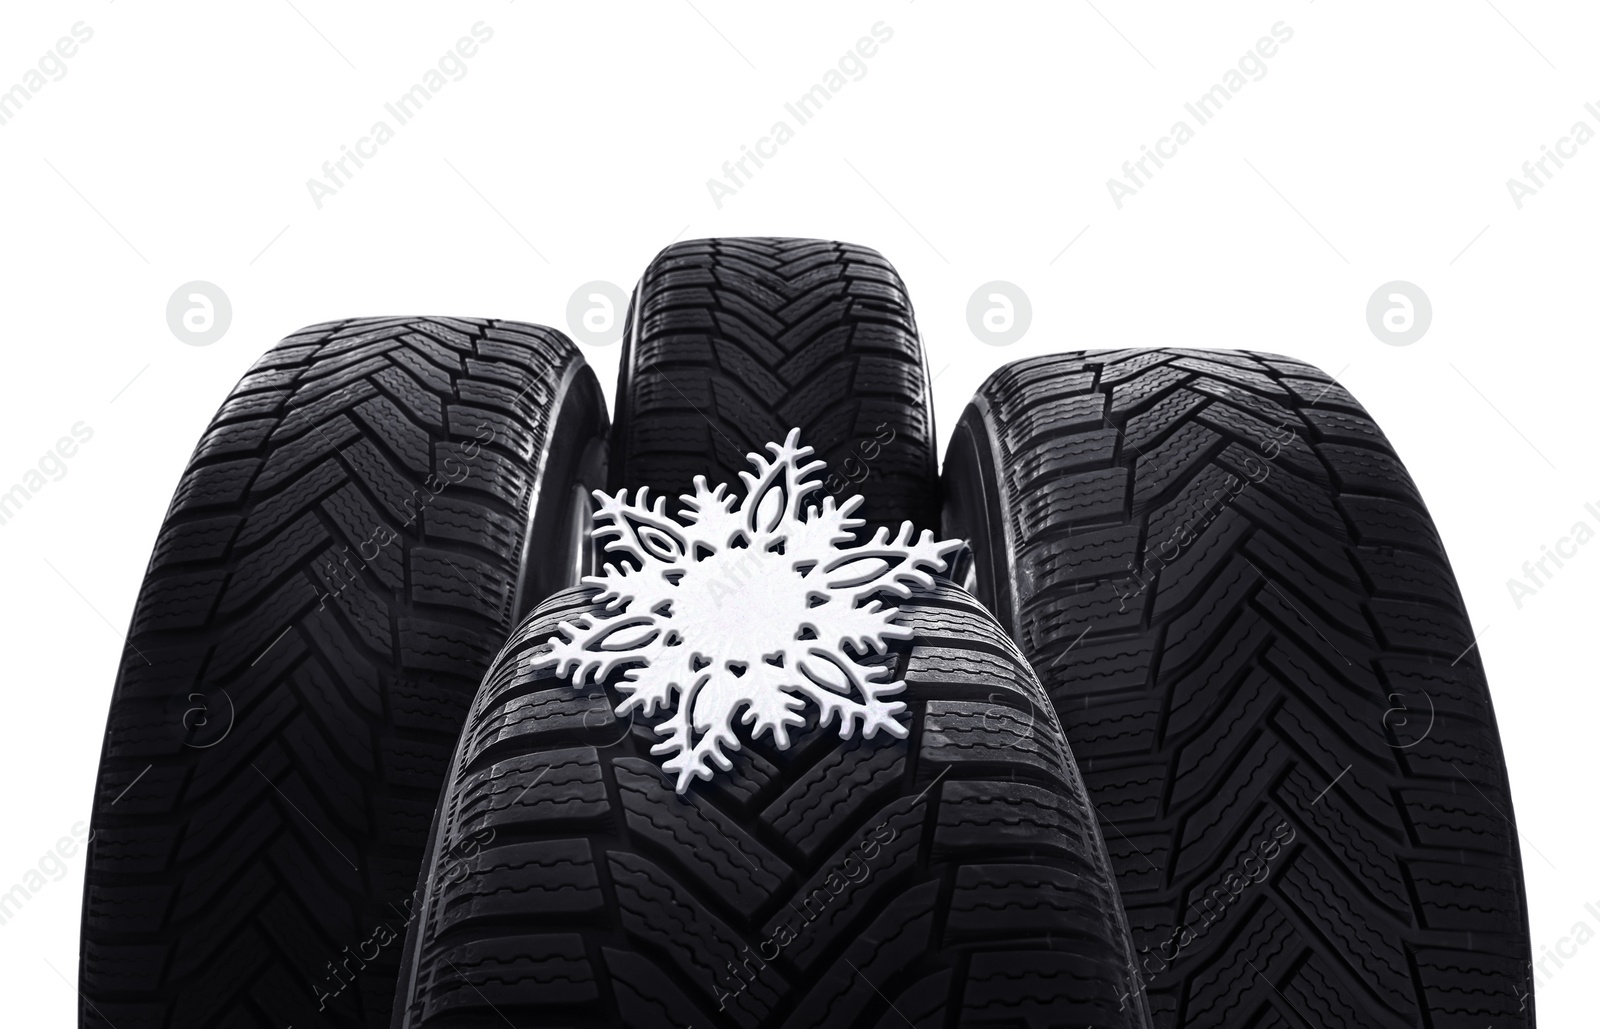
x,y
1191,731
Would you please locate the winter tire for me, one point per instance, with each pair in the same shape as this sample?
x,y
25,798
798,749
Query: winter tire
x,y
1246,621
567,884
733,342
374,507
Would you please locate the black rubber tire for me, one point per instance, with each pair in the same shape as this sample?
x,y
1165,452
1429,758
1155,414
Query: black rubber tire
x,y
567,884
285,711
1247,623
732,342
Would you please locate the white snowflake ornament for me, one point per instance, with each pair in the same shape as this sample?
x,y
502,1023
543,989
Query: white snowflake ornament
x,y
748,609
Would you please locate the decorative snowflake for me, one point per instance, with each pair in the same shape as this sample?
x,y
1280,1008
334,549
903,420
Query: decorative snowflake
x,y
746,606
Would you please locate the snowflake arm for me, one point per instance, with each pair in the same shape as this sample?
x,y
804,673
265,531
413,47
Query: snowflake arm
x,y
840,674
890,566
776,490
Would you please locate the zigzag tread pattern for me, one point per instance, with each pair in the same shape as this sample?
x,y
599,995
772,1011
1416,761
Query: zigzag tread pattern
x,y
905,864
1250,631
732,342
335,572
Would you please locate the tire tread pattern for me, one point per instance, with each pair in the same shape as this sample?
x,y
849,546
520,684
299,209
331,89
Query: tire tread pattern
x,y
732,342
1246,621
639,903
227,878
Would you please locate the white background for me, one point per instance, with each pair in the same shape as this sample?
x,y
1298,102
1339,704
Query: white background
x,y
976,147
